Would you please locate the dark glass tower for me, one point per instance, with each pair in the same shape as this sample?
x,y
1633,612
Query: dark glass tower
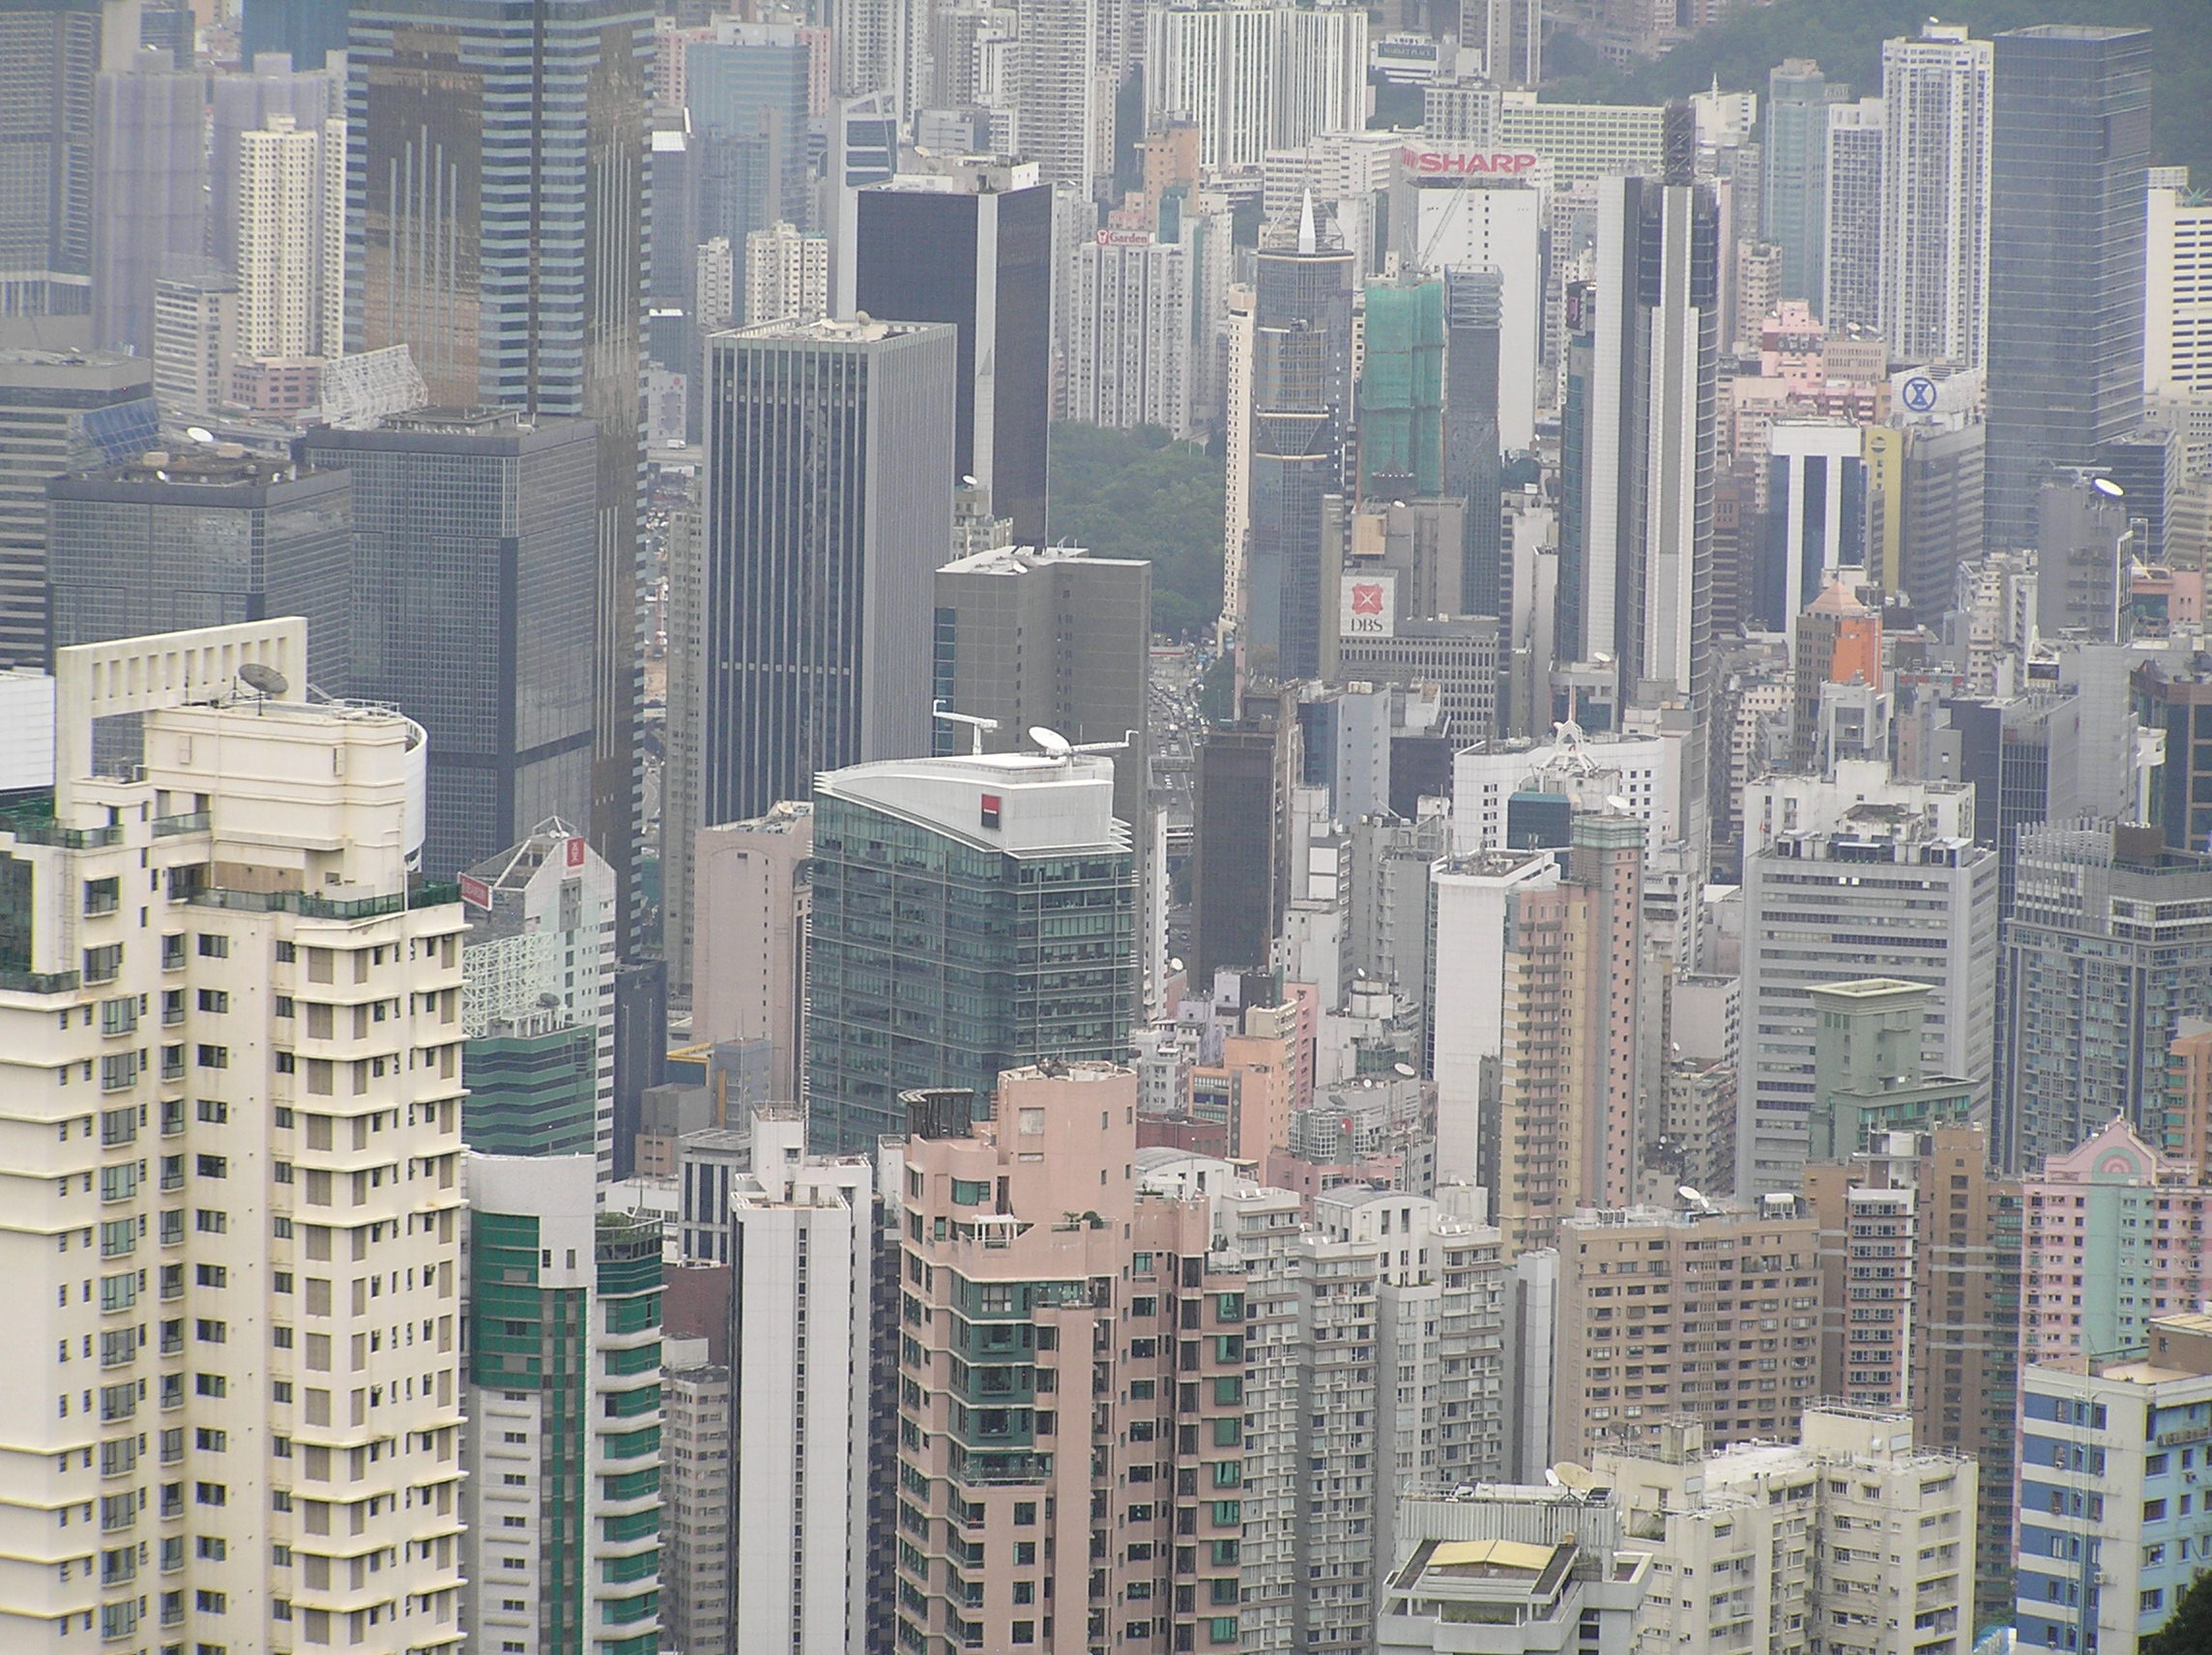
x,y
748,99
828,507
1474,312
979,256
306,29
497,194
2069,145
470,605
50,52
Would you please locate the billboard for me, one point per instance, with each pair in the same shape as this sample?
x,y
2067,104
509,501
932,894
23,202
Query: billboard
x,y
1367,606
1421,162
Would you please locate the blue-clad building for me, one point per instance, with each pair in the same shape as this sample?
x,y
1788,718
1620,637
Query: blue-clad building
x,y
2115,1517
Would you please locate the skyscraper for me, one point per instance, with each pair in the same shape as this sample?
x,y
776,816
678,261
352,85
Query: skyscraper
x,y
250,102
967,914
1792,193
496,197
54,51
308,31
197,1224
1851,209
829,504
745,91
1936,230
563,1415
973,247
469,604
2071,142
149,191
60,412
291,239
1129,359
1254,78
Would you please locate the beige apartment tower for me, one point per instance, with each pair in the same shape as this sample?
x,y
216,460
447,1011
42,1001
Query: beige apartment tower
x,y
230,1139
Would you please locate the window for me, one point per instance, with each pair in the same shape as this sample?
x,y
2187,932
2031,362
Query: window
x,y
213,1494
1025,1554
211,1441
118,1071
210,1385
102,895
103,963
211,1275
119,1016
1025,1631
1025,1514
215,1113
210,1603
211,1332
212,1165
1228,1433
215,948
1221,1629
210,1222
118,1125
215,1056
215,999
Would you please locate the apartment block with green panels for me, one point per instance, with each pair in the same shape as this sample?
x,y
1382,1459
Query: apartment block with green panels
x,y
564,1413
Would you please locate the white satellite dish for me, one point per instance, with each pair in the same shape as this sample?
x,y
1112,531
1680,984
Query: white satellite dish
x,y
1406,1071
1051,743
2106,487
1614,801
1175,964
1690,1194
1551,1478
1601,657
199,433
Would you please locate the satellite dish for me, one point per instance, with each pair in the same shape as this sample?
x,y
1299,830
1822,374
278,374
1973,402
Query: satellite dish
x,y
1694,1197
1406,1071
1175,964
1601,657
970,483
1051,743
264,680
199,433
1551,1478
1614,801
2106,487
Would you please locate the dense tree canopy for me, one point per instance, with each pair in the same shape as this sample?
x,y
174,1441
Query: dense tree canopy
x,y
1142,494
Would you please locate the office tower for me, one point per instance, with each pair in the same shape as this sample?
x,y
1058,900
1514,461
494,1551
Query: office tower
x,y
149,192
1475,390
978,254
1639,565
1205,62
1510,36
697,1493
539,1008
2070,139
1816,514
1400,416
1794,188
2105,949
1129,350
1767,1521
1239,853
1644,769
1511,1569
1584,141
803,1240
250,101
1464,110
1459,657
1016,1502
1869,1055
196,335
1851,194
56,50
1483,236
882,48
746,94
1935,223
291,240
1302,409
2148,467
60,412
787,273
1941,526
1564,1134
828,502
1810,906
746,968
2084,548
1472,900
2177,302
245,1361
308,31
471,609
1050,637
2112,1522
563,1503
1762,1265
1920,1253
506,252
1006,982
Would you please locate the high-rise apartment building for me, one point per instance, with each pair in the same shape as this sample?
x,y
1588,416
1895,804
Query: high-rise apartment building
x,y
1127,360
828,502
56,50
563,1501
1072,1379
201,535
1852,216
1584,141
1064,87
291,239
221,1177
196,337
1773,1544
1794,188
149,191
1470,902
1255,78
266,87
2108,947
503,244
1812,915
471,605
60,412
539,1011
787,273
973,248
802,1367
1510,35
2070,143
2177,298
1936,227
1009,876
1739,1290
697,1491
1920,1255
747,936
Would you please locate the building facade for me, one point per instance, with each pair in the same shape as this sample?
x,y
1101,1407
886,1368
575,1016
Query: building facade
x,y
1936,104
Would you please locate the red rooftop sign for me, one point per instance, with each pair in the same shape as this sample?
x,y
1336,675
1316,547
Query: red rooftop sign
x,y
1468,164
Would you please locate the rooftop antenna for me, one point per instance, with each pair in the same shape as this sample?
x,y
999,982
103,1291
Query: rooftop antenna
x,y
976,725
1309,234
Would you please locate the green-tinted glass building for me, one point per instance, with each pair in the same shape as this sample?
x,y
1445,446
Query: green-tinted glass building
x,y
564,1499
969,915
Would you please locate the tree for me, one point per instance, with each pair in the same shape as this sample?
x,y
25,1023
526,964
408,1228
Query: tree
x,y
2188,1630
1142,494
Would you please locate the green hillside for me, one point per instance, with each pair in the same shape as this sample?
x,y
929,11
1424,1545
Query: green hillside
x,y
1846,36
